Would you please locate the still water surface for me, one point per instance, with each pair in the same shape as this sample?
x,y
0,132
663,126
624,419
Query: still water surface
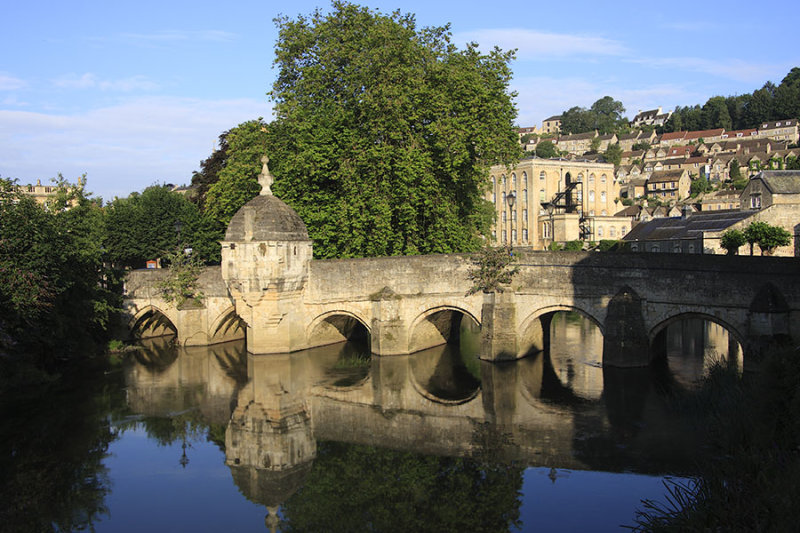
x,y
213,439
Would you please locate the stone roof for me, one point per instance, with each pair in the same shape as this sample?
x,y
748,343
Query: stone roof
x,y
775,124
781,181
578,136
662,229
666,175
704,133
272,220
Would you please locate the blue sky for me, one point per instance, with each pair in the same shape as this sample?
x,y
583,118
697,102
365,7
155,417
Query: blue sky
x,y
136,93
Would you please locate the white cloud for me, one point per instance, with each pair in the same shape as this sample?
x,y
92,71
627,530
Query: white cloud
x,y
172,36
733,69
537,45
91,81
10,83
122,148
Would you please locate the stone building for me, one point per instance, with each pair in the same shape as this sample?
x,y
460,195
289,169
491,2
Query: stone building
x,y
651,117
577,144
551,125
669,185
771,196
44,193
721,200
781,130
555,200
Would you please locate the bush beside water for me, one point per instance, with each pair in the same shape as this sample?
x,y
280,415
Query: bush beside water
x,y
753,432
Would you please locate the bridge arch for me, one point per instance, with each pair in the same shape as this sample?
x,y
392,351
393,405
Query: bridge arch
x,y
659,342
661,327
336,326
151,321
436,326
227,327
534,330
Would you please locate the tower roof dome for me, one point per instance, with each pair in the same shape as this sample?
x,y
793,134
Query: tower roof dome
x,y
265,217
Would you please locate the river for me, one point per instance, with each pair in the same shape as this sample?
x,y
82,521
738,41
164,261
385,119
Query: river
x,y
334,439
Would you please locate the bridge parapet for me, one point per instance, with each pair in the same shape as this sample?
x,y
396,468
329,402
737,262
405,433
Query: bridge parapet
x,y
408,303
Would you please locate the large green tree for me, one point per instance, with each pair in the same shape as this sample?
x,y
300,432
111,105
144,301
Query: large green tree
x,y
231,177
546,149
143,226
605,116
51,275
384,132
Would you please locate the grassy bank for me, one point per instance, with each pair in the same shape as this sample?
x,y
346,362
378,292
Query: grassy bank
x,y
749,480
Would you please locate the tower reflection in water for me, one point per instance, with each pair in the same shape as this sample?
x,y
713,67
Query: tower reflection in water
x,y
290,418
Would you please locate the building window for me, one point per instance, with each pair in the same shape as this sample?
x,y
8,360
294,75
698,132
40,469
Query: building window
x,y
591,196
525,179
525,197
691,248
603,196
503,180
541,195
591,179
603,212
622,231
580,177
513,180
600,232
611,232
653,248
755,201
542,176
514,215
603,178
525,215
524,235
504,217
513,235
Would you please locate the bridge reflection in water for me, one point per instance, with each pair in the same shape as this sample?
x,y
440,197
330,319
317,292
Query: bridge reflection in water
x,y
559,409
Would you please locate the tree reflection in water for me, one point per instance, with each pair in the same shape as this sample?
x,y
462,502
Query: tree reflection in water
x,y
364,488
335,439
52,445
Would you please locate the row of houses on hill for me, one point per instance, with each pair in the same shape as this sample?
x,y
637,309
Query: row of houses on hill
x,y
771,196
715,141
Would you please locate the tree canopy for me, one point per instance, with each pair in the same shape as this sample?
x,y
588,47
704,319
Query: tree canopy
x,y
384,132
143,227
546,149
605,116
230,175
767,236
770,102
51,274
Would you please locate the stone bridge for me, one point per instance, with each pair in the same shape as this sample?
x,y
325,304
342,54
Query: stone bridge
x,y
269,289
407,304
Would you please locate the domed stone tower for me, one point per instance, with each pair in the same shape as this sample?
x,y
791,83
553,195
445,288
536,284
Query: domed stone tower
x,y
265,258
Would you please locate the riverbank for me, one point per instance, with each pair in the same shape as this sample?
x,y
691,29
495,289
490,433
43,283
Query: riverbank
x,y
753,429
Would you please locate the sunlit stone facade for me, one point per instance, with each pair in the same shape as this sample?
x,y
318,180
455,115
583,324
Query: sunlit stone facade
x,y
537,181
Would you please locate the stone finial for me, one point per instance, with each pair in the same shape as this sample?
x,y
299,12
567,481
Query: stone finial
x,y
265,178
